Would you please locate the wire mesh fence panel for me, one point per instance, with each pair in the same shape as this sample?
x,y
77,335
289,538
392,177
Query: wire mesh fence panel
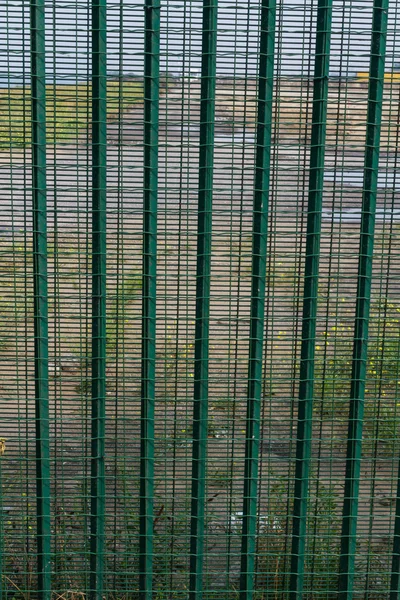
x,y
199,300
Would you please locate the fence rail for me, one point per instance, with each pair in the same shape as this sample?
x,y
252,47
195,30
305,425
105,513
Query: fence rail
x,y
199,300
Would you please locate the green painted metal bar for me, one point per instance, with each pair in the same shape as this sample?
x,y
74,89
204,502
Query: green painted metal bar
x,y
259,254
205,195
39,206
360,349
99,203
151,103
310,301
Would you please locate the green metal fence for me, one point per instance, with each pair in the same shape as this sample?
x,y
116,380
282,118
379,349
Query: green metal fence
x,y
199,299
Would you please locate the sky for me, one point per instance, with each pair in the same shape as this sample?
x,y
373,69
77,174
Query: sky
x,y
68,37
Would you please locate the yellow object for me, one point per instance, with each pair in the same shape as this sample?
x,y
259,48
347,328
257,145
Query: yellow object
x,y
387,76
2,446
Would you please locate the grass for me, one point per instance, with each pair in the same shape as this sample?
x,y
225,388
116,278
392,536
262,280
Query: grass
x,y
69,257
127,291
333,376
68,110
15,308
274,531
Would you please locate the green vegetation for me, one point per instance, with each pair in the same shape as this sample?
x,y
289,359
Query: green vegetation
x,y
16,310
69,258
128,290
68,109
171,524
333,376
281,270
333,369
274,540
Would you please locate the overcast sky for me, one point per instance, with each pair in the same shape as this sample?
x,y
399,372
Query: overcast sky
x,y
68,41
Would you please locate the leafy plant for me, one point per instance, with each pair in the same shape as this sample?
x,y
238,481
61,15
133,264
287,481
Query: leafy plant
x,y
174,363
333,375
127,292
274,541
16,306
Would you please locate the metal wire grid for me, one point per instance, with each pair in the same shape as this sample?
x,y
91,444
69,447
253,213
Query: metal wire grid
x,y
189,191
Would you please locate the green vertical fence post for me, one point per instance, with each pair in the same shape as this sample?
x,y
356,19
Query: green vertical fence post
x,y
360,348
151,102
99,202
259,252
205,194
310,301
39,205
